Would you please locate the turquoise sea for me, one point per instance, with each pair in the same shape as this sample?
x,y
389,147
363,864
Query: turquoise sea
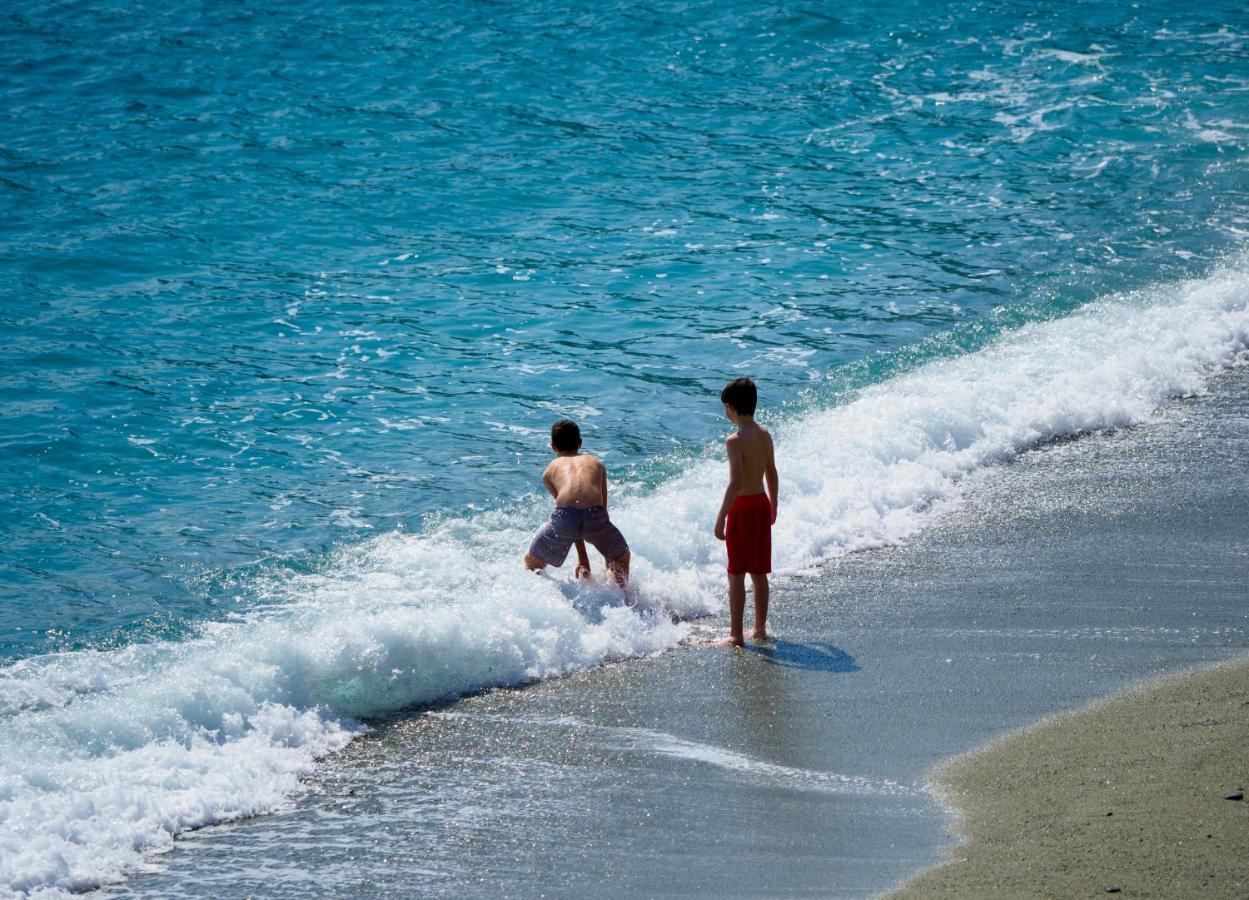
x,y
291,294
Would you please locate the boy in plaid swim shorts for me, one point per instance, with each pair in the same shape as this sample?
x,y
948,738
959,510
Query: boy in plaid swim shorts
x,y
578,482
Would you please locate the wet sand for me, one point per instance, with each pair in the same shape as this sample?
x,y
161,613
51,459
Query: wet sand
x,y
1128,796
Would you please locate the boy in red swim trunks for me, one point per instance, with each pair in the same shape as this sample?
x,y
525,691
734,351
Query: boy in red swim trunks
x,y
747,513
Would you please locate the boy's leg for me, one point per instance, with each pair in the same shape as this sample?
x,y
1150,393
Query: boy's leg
x,y
550,546
608,541
760,582
619,569
737,610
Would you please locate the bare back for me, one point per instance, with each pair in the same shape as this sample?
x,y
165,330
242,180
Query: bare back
x,y
578,480
753,447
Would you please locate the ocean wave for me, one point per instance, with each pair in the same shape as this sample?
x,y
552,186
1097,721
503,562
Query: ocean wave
x,y
108,755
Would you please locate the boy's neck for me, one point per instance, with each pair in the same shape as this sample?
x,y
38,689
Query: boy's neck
x,y
567,452
743,420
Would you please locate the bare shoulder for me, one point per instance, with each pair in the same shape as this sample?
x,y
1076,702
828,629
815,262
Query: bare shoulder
x,y
583,466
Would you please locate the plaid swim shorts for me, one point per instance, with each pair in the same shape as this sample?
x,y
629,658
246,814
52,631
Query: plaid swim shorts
x,y
570,523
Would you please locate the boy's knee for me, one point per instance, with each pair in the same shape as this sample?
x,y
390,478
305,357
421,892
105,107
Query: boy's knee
x,y
532,563
622,561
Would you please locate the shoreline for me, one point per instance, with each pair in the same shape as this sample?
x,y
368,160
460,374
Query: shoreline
x,y
1068,574
1127,795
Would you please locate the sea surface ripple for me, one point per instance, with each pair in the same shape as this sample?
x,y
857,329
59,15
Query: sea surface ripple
x,y
290,294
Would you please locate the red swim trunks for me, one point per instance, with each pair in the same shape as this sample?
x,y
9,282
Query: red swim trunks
x,y
749,535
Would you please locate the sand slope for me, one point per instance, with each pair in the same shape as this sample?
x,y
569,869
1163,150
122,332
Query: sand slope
x,y
1128,793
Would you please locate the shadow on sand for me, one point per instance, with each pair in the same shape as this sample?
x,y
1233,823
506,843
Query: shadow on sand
x,y
814,657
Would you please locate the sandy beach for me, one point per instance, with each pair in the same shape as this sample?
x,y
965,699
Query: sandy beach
x,y
1133,796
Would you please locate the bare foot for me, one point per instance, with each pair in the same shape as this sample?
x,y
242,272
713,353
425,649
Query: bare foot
x,y
759,635
582,572
730,642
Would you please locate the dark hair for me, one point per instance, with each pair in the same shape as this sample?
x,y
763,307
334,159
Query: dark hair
x,y
565,436
740,393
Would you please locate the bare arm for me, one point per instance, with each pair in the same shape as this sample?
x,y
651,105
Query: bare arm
x,y
550,482
774,481
735,484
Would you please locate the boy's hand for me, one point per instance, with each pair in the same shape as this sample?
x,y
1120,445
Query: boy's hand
x,y
582,572
720,528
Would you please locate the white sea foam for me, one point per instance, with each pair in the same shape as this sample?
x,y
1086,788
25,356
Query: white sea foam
x,y
661,743
106,756
645,740
1070,56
